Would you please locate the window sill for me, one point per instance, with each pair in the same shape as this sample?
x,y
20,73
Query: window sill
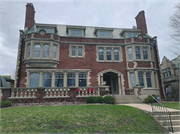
x,y
43,62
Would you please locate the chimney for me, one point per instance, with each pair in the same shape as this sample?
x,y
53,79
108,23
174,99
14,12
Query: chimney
x,y
30,14
141,22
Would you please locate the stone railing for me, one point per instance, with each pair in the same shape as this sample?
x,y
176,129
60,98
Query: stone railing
x,y
57,92
23,93
88,91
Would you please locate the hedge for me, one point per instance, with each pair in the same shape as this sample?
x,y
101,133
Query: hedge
x,y
94,99
6,104
109,100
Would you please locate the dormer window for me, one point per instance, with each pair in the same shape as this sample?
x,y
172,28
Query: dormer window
x,y
48,30
76,32
104,34
130,34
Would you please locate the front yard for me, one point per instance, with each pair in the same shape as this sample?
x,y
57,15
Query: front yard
x,y
77,119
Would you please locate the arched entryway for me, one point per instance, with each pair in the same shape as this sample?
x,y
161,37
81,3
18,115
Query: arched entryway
x,y
114,79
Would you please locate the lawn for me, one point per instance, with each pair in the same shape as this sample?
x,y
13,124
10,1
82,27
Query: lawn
x,y
174,105
77,119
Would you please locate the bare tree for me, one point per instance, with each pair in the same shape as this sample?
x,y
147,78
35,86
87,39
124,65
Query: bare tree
x,y
175,30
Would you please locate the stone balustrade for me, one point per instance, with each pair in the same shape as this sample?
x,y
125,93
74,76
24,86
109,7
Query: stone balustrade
x,y
88,91
57,92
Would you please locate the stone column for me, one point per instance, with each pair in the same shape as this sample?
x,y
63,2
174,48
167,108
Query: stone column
x,y
144,78
32,50
53,79
27,79
152,79
76,80
65,79
40,79
119,84
112,54
136,78
51,50
41,51
133,53
129,80
88,73
101,79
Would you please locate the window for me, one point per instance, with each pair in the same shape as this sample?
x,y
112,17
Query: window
x,y
138,55
29,50
116,54
77,51
132,80
130,53
140,77
71,80
108,54
166,73
104,34
37,49
101,54
148,79
47,80
82,80
59,80
34,80
145,53
46,50
54,51
48,30
76,32
129,34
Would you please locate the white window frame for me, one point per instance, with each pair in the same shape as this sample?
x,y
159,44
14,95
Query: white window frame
x,y
82,32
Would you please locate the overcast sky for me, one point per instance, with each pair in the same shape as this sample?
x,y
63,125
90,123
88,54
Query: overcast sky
x,y
98,13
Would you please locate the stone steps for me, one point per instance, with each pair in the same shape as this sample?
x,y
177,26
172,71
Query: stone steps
x,y
175,119
125,99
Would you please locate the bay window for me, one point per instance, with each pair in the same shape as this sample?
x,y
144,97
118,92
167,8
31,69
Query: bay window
x,y
145,53
37,49
46,50
140,77
46,80
59,80
138,54
34,80
70,80
148,79
82,80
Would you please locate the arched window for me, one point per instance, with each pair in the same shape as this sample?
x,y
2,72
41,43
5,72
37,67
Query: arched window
x,y
37,49
148,79
138,54
47,80
71,80
34,80
108,54
101,54
132,80
54,51
145,53
29,50
140,77
116,54
46,50
59,80
82,80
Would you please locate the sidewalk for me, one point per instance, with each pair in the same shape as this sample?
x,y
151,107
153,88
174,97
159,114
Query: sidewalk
x,y
145,107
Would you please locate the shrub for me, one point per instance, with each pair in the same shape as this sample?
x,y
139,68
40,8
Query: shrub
x,y
109,100
149,99
155,96
6,104
94,99
98,99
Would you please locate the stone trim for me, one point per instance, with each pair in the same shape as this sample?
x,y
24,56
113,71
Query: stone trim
x,y
76,46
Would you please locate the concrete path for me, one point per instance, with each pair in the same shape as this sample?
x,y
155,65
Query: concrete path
x,y
145,107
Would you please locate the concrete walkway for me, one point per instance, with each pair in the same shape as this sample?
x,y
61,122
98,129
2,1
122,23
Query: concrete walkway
x,y
145,107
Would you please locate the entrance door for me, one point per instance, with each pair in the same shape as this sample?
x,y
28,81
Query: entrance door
x,y
111,81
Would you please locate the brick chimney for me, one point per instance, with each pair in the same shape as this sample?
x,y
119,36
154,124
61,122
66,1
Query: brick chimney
x,y
141,22
30,14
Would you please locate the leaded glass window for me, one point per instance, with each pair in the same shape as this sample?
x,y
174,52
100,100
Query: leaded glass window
x,y
29,50
145,53
47,80
59,80
148,79
82,80
116,54
130,53
71,80
132,80
54,51
73,51
79,51
46,50
138,55
34,80
37,49
101,54
140,77
108,54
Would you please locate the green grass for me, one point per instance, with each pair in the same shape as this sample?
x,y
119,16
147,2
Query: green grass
x,y
174,105
77,119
